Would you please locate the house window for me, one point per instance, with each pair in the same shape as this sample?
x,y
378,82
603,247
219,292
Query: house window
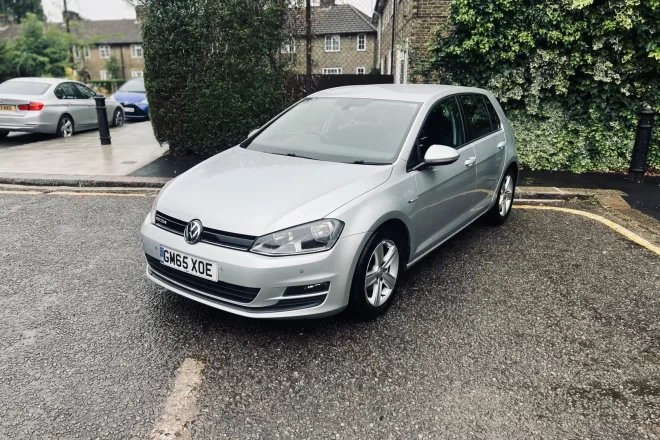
x,y
86,52
361,71
136,51
76,52
332,70
104,51
289,47
332,43
361,42
137,74
105,74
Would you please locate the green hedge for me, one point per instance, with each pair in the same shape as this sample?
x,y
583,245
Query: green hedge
x,y
571,74
212,70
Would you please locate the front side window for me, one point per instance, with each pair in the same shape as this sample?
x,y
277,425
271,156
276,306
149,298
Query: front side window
x,y
136,51
332,43
332,71
361,42
104,51
476,115
349,130
443,126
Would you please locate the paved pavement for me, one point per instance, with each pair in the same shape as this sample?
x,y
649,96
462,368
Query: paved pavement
x,y
544,328
644,197
133,146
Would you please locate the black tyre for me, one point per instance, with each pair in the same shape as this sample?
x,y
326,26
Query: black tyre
x,y
505,194
65,127
377,275
118,118
3,134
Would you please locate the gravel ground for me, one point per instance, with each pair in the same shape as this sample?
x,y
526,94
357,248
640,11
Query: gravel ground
x,y
544,328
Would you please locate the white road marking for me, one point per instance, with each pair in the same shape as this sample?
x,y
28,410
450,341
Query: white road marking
x,y
181,407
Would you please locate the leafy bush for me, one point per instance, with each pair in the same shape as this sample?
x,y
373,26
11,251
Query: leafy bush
x,y
570,73
212,69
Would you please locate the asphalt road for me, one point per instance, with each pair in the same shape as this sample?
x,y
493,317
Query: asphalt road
x,y
544,328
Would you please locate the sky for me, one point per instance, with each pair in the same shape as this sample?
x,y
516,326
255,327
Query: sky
x,y
118,9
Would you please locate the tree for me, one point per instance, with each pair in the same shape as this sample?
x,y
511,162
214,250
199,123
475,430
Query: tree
x,y
6,68
38,51
571,73
113,67
20,8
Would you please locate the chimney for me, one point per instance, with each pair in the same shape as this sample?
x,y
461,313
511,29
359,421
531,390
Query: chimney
x,y
4,21
327,3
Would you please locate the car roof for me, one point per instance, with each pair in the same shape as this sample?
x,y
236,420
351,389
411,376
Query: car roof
x,y
396,92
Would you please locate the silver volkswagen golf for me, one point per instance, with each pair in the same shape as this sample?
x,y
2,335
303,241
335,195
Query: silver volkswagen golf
x,y
53,106
326,205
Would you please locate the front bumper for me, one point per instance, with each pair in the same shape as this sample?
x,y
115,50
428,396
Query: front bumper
x,y
271,275
134,111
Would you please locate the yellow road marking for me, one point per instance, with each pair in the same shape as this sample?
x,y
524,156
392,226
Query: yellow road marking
x,y
97,194
617,227
19,192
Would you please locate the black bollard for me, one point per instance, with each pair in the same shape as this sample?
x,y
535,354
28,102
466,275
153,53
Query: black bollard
x,y
102,116
640,153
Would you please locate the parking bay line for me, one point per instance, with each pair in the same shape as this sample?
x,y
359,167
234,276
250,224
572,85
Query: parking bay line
x,y
181,407
617,227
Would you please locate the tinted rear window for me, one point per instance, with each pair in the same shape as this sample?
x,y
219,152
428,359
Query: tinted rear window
x,y
23,88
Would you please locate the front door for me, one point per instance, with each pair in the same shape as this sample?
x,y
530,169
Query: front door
x,y
446,192
487,136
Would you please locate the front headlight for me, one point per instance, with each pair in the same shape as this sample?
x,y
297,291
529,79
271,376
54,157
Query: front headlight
x,y
152,213
317,236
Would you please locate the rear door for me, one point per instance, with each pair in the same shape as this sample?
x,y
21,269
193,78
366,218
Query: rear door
x,y
487,137
446,192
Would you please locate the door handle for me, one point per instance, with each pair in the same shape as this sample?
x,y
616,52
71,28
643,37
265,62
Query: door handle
x,y
501,145
470,161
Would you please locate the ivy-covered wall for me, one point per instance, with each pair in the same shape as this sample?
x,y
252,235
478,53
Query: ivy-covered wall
x,y
571,74
212,70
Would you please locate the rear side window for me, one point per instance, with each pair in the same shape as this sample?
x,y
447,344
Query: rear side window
x,y
495,123
476,115
24,88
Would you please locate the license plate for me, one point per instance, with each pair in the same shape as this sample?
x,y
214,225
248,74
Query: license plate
x,y
7,108
129,109
189,264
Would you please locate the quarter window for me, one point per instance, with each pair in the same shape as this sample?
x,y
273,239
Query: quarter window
x,y
104,51
361,42
443,126
476,115
332,43
495,123
136,51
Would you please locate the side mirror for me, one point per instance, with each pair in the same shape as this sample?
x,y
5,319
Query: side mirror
x,y
253,132
440,155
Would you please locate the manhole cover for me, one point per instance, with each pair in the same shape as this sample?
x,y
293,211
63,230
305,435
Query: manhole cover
x,y
129,162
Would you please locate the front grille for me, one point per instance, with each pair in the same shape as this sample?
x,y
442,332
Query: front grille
x,y
215,289
210,236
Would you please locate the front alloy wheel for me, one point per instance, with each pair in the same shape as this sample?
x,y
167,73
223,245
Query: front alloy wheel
x,y
505,194
382,272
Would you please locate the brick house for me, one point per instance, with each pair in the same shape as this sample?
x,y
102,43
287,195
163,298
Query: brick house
x,y
343,40
98,41
415,21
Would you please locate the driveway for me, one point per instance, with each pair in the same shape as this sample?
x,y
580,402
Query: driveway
x,y
544,328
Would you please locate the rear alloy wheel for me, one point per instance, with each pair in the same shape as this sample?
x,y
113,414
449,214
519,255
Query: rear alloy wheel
x,y
377,275
118,118
65,127
502,207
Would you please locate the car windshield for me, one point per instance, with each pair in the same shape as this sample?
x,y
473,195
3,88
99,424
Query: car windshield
x,y
133,85
24,88
352,130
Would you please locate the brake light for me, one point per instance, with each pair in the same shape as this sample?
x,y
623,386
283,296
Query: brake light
x,y
33,106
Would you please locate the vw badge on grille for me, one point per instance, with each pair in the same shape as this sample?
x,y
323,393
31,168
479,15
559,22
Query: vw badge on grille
x,y
193,232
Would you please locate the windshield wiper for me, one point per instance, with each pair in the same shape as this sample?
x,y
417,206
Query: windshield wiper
x,y
294,155
362,162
